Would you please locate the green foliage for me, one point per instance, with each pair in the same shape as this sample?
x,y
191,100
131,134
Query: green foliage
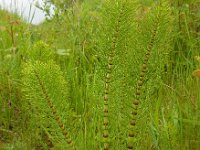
x,y
13,41
102,75
41,52
46,101
112,71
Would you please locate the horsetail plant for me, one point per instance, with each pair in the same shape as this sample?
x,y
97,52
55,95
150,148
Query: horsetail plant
x,y
115,34
107,86
54,112
106,81
47,101
158,19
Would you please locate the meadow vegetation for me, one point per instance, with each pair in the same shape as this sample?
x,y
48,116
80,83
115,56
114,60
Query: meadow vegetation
x,y
111,75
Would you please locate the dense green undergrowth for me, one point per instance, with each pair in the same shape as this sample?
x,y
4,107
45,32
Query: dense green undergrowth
x,y
118,75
